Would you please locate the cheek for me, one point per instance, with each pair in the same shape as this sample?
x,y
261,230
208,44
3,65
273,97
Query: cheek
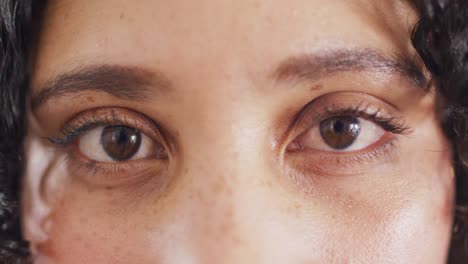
x,y
389,217
392,224
392,231
413,229
84,231
386,218
422,222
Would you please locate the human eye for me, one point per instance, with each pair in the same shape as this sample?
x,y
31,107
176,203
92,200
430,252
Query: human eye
x,y
115,143
107,145
342,133
345,133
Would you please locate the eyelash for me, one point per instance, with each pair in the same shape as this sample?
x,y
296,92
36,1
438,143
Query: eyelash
x,y
388,123
87,122
71,132
306,120
101,173
342,162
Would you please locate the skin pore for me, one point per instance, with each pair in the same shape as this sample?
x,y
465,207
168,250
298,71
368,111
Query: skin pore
x,y
230,101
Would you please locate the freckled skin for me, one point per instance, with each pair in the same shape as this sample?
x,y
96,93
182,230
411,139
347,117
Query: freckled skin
x,y
229,194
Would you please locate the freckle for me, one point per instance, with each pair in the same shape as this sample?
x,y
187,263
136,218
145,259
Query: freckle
x,y
116,248
316,87
227,226
175,133
66,15
218,187
122,15
90,99
83,220
171,16
257,5
199,196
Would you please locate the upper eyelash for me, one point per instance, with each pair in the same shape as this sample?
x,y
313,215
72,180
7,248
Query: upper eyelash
x,y
391,124
388,123
72,132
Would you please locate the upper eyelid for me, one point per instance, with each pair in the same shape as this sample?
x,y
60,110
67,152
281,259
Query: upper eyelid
x,y
74,129
352,103
68,137
376,116
92,119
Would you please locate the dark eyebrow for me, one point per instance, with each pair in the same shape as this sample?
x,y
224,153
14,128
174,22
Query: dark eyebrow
x,y
130,83
315,66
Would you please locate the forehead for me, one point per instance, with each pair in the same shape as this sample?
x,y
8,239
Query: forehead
x,y
207,35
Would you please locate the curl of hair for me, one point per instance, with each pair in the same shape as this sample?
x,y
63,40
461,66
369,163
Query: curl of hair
x,y
440,37
15,23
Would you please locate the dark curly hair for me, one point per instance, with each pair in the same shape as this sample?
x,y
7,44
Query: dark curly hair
x,y
15,18
440,37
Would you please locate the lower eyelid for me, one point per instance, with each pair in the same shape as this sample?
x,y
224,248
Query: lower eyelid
x,y
324,163
100,174
109,173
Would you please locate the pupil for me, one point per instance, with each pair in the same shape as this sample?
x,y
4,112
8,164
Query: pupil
x,y
120,143
339,127
340,132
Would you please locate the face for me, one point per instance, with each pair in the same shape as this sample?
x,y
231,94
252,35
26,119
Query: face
x,y
301,131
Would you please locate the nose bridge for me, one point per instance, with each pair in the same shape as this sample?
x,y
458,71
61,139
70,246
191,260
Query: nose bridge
x,y
221,159
217,181
215,221
219,133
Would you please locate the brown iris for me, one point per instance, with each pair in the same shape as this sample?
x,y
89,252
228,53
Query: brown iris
x,y
340,132
120,143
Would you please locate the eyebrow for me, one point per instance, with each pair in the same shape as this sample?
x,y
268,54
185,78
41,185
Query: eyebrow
x,y
133,83
129,83
312,67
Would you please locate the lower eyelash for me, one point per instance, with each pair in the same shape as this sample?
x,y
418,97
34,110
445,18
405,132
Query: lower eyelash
x,y
380,152
111,174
